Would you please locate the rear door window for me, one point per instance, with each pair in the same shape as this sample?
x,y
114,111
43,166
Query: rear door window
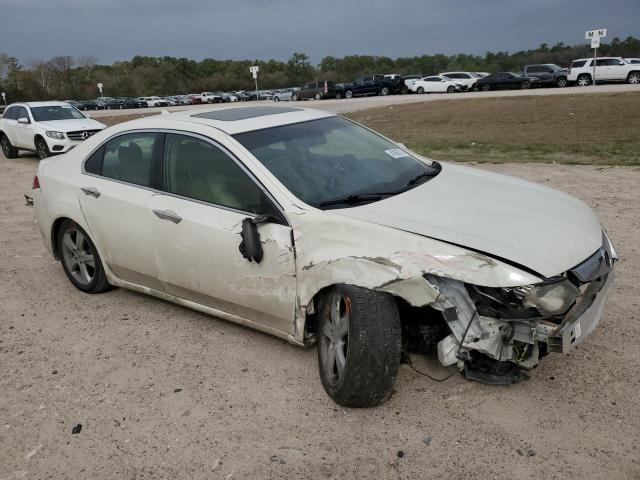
x,y
130,158
578,64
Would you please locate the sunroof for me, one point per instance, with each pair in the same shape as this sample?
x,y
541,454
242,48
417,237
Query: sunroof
x,y
242,113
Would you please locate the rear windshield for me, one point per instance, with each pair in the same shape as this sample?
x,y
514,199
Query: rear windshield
x,y
55,112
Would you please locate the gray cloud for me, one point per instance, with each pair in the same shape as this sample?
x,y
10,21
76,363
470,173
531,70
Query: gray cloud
x,y
226,29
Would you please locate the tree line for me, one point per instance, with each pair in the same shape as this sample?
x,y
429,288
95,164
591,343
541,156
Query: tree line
x,y
68,77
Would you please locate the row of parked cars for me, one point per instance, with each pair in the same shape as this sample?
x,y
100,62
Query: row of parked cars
x,y
608,69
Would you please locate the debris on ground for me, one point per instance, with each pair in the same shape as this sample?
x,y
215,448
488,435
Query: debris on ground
x,y
427,440
76,429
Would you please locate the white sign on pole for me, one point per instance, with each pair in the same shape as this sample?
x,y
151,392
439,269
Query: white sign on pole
x,y
100,88
595,42
598,33
4,97
254,71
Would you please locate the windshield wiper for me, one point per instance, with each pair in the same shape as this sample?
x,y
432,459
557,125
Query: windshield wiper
x,y
354,199
428,174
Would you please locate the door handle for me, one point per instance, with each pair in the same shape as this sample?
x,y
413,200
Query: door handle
x,y
93,191
168,215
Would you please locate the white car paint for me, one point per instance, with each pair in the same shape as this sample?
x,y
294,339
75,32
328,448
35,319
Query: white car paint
x,y
468,79
23,135
612,69
463,227
434,84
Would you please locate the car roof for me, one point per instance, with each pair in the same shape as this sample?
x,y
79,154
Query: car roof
x,y
40,104
241,119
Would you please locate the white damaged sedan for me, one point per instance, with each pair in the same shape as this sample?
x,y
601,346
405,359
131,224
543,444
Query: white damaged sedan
x,y
310,227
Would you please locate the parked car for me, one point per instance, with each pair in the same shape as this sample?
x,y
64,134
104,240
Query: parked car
x,y
608,69
466,79
108,103
436,84
155,101
367,85
46,128
635,61
314,230
317,90
76,104
549,74
482,74
129,102
284,94
506,81
195,99
210,97
242,96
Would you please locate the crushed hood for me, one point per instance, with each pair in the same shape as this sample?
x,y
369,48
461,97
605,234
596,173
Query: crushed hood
x,y
72,125
542,229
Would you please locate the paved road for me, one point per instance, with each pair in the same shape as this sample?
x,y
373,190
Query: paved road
x,y
363,103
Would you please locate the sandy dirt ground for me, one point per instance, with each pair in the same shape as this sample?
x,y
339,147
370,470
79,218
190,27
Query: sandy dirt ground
x,y
163,392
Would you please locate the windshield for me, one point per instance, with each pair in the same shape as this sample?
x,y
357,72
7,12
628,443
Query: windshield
x,y
335,161
55,112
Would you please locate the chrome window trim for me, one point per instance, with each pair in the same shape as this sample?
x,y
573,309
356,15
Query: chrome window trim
x,y
206,139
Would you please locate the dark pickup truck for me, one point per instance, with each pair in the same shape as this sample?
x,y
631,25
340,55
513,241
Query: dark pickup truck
x,y
368,85
548,74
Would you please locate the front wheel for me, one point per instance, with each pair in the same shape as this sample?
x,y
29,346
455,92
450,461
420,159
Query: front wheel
x,y
348,94
562,82
451,89
526,85
338,95
359,345
42,149
420,90
294,98
317,96
634,78
485,88
9,150
80,259
276,99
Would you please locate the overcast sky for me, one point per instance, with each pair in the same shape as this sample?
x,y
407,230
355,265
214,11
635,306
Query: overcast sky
x,y
263,29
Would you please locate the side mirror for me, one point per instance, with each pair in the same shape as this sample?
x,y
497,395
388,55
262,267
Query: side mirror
x,y
23,120
250,246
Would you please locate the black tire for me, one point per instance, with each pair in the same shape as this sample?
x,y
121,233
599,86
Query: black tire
x,y
348,94
562,82
486,87
98,282
633,78
584,80
294,98
420,90
451,89
370,349
318,96
526,85
338,95
42,149
384,91
276,98
8,150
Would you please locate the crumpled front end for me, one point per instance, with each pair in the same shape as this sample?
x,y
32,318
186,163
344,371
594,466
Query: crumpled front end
x,y
499,334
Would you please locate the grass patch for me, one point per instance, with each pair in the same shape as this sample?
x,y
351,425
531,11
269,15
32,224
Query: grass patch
x,y
582,129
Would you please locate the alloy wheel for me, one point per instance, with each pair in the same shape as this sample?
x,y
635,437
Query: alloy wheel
x,y
584,81
334,336
634,78
42,150
78,256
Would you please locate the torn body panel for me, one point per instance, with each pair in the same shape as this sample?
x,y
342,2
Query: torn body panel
x,y
331,250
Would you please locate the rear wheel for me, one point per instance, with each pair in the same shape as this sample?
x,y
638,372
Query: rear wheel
x,y
42,149
451,89
359,345
384,91
276,98
348,94
80,259
584,80
420,90
338,95
525,85
634,78
8,150
485,88
562,82
294,97
317,96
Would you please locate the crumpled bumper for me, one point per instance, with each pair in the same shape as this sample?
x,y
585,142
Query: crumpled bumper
x,y
580,323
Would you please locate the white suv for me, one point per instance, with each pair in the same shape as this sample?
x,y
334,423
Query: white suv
x,y
467,79
608,69
44,127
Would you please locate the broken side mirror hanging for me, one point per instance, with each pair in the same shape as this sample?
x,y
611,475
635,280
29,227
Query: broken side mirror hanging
x,y
250,246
